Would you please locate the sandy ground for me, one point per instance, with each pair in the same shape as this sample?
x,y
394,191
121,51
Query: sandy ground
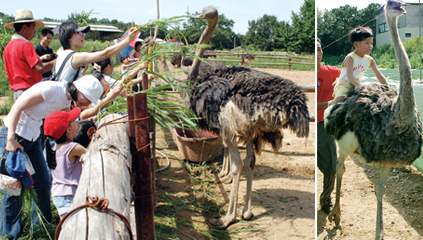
x,y
402,204
283,198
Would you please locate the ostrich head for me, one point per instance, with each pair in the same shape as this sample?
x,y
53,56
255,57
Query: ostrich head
x,y
208,14
393,8
211,15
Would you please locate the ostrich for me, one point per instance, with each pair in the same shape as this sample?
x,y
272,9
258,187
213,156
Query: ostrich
x,y
247,58
251,106
377,124
187,62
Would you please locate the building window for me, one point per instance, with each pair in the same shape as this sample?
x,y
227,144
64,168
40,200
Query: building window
x,y
408,35
382,28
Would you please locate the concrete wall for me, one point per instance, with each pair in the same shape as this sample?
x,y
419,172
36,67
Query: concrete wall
x,y
408,25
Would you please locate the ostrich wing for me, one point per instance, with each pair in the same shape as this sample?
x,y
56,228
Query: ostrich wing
x,y
261,95
206,100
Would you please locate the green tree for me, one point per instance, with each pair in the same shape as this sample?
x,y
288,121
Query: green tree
x,y
303,28
333,26
82,18
222,37
284,37
261,33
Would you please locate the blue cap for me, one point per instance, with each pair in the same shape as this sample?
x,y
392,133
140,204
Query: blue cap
x,y
15,165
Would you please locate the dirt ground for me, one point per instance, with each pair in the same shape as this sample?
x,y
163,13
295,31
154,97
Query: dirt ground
x,y
402,204
283,198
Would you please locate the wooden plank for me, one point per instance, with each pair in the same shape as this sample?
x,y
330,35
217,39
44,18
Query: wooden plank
x,y
105,174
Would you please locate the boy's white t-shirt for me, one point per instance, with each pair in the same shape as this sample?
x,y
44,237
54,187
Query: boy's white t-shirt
x,y
55,99
360,64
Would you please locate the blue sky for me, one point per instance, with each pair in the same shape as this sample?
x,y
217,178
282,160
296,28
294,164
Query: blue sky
x,y
360,4
141,11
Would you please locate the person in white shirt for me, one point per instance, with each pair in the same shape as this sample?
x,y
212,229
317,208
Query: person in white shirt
x,y
21,130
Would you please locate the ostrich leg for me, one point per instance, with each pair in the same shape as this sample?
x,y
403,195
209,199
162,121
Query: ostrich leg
x,y
335,214
225,175
236,170
249,163
379,191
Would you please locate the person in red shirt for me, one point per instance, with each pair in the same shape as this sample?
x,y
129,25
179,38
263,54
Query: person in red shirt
x,y
23,67
326,148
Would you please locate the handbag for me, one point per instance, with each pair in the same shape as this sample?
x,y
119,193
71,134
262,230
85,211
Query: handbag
x,y
8,185
54,76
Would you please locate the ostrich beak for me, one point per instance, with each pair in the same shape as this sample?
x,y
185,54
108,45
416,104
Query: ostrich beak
x,y
200,16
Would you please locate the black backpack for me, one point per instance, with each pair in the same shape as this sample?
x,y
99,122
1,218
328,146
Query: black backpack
x,y
54,76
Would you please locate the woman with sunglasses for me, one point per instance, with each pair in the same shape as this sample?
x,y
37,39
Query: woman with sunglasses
x,y
72,37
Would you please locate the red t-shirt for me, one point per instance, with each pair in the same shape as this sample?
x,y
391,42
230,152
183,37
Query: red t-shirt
x,y
19,60
325,78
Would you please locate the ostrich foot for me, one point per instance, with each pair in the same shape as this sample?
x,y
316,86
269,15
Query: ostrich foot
x,y
225,179
247,215
335,214
223,174
222,223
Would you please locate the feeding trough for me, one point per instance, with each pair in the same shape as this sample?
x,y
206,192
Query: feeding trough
x,y
205,146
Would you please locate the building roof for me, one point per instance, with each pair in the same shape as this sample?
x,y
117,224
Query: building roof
x,y
94,27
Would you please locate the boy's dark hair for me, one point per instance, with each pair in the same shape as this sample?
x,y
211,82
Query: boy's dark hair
x,y
359,33
66,31
18,26
46,31
137,43
318,40
81,136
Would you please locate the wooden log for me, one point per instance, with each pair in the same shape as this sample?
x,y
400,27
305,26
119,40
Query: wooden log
x,y
307,87
105,174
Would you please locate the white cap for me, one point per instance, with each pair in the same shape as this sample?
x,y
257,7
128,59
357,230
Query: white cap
x,y
90,86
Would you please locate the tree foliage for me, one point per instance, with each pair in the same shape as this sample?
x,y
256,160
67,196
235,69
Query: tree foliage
x,y
190,32
303,28
268,34
333,26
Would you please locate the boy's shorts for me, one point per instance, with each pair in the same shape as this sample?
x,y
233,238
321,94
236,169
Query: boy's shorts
x,y
62,203
342,87
341,90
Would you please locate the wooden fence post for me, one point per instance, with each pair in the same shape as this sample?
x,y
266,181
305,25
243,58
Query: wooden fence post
x,y
289,62
143,181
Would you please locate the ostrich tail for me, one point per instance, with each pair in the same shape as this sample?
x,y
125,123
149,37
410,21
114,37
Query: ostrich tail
x,y
273,138
299,119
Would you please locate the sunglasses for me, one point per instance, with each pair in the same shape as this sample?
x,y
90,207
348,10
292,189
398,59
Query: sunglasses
x,y
80,33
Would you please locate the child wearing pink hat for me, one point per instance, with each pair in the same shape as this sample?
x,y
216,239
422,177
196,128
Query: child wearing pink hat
x,y
62,127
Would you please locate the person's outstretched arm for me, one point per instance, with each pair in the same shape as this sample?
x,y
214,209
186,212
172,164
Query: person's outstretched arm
x,y
90,57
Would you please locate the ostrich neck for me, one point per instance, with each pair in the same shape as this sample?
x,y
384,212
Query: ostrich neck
x,y
404,108
204,39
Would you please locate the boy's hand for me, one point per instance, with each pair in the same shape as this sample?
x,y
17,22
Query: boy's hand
x,y
358,86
